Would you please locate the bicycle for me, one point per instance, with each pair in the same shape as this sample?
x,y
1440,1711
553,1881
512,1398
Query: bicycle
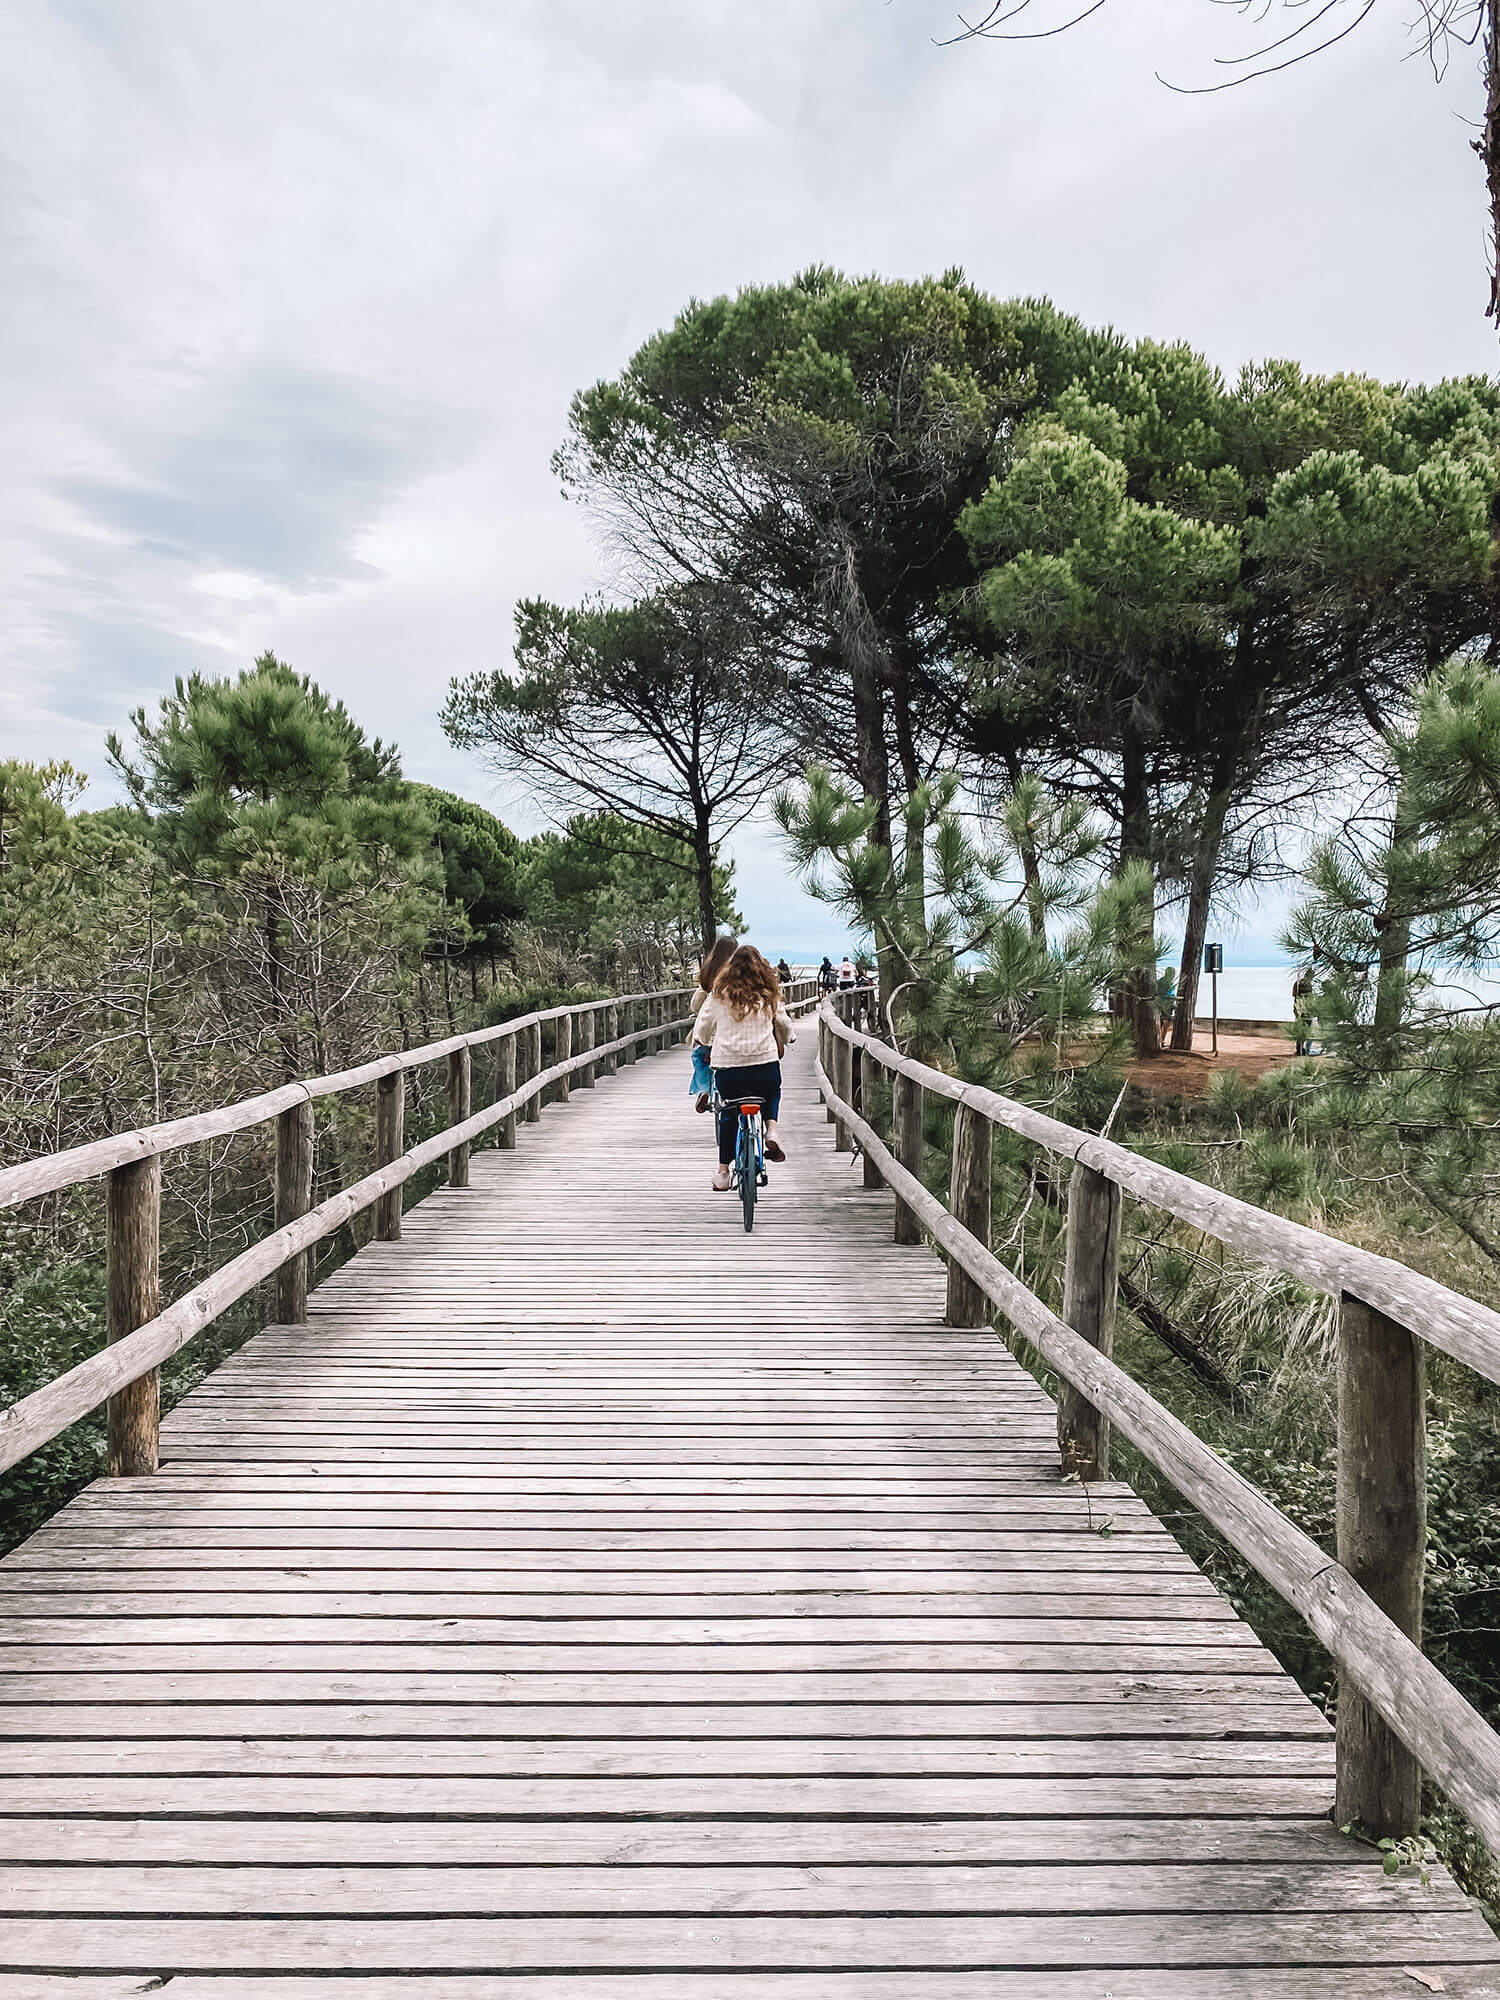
x,y
747,1171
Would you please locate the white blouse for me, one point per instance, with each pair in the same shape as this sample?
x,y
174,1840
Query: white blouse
x,y
738,1041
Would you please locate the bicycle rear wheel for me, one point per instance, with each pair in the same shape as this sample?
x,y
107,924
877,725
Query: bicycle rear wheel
x,y
746,1165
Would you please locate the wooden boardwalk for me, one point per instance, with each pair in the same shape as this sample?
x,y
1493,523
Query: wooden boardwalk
x,y
591,1601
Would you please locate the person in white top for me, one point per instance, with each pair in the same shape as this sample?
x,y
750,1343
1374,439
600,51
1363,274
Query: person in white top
x,y
848,975
747,1026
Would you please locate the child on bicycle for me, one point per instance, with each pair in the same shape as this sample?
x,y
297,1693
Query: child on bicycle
x,y
718,955
748,1026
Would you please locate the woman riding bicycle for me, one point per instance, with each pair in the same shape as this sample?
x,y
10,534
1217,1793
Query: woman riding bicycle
x,y
744,1020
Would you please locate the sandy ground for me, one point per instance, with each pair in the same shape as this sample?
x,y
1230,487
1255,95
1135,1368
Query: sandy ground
x,y
1190,1072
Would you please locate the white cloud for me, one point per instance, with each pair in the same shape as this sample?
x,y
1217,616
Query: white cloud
x,y
296,295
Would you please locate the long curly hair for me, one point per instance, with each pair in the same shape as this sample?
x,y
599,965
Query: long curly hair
x,y
748,984
715,959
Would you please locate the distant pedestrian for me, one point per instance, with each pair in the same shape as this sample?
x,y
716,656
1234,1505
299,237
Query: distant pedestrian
x,y
1304,996
848,975
783,971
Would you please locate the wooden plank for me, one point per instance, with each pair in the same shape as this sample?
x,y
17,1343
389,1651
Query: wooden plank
x,y
1274,1715
1305,1842
926,1942
744,1890
293,1677
756,1758
1391,1982
632,1797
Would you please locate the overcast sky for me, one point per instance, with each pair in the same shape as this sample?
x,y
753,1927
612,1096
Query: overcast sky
x,y
293,296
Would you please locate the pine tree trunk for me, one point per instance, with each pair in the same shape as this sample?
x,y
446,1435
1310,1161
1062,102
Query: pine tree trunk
x,y
1195,925
703,861
1135,845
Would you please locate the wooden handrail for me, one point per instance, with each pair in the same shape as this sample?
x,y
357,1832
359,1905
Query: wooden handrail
x,y
1459,1326
51,1171
136,1352
1413,1699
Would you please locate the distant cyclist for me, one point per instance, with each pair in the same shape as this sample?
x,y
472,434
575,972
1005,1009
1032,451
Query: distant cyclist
x,y
743,1018
827,977
848,975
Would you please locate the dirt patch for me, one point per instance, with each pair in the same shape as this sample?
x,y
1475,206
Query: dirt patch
x,y
1189,1072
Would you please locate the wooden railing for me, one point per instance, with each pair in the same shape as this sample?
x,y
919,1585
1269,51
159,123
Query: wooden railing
x,y
1397,1713
591,1038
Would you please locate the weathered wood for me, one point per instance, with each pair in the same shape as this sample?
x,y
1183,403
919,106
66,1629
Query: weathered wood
x,y
533,1109
505,1133
1450,1739
390,1138
969,1204
843,1056
1389,1980
1461,1327
587,1021
460,1093
609,1064
863,1063
906,1123
582,1533
1090,1285
826,1064
133,1267
1382,1542
295,1141
562,1053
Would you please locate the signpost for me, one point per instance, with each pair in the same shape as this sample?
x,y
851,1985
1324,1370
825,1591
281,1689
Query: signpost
x,y
1213,965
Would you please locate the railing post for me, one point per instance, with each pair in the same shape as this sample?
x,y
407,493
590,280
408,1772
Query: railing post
x,y
534,1069
1091,1274
969,1202
826,1046
506,1131
906,1137
654,1015
133,1260
587,1036
1382,1537
564,1049
862,1063
390,1129
628,1025
609,1064
460,1103
294,1182
843,1084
